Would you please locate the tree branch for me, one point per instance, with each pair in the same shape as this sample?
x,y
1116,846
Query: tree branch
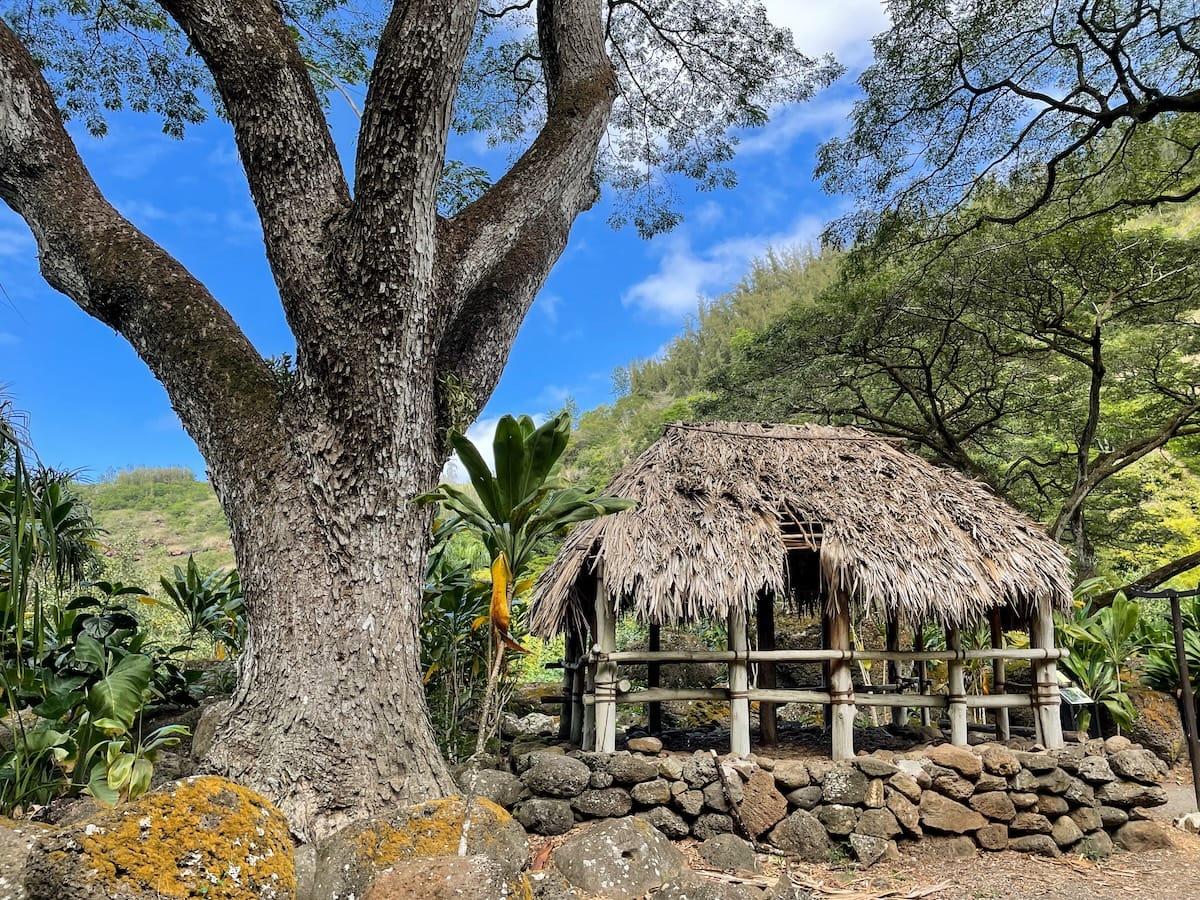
x,y
1152,579
223,391
291,163
497,253
402,141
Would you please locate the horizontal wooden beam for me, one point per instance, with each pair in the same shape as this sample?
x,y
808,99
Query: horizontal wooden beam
x,y
626,657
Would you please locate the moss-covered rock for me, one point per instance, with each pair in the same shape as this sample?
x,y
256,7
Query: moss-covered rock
x,y
349,861
200,837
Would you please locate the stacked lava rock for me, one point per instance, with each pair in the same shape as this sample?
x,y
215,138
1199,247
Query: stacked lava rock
x,y
991,797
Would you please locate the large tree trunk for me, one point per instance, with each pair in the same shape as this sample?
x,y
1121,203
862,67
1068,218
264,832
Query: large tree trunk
x,y
403,322
329,717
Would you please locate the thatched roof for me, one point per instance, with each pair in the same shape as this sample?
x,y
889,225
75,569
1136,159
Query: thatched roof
x,y
719,505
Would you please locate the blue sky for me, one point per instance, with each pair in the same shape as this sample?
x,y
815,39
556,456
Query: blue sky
x,y
91,404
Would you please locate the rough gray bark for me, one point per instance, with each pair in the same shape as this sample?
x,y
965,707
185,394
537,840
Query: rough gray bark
x,y
392,309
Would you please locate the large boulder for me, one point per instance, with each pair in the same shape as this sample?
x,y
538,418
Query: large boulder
x,y
446,878
555,775
729,852
802,834
502,788
1157,725
200,837
1138,765
351,860
845,784
960,759
943,814
762,805
693,886
545,815
1142,835
16,839
619,859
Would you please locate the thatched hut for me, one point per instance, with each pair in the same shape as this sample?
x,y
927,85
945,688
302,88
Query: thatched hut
x,y
733,515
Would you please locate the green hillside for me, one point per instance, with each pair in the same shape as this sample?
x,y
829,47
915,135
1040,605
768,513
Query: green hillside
x,y
152,520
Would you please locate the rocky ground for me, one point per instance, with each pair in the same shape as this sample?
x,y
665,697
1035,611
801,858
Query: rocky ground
x,y
932,870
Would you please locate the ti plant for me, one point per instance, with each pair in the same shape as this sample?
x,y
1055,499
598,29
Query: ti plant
x,y
516,511
1102,642
211,605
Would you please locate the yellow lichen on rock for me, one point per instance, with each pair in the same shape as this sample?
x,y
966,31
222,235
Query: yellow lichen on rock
x,y
351,861
436,828
201,837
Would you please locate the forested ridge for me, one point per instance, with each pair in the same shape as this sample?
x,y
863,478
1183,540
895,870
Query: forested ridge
x,y
1000,361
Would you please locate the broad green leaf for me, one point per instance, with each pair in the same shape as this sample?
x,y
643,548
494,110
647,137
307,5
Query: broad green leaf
x,y
512,464
98,787
119,696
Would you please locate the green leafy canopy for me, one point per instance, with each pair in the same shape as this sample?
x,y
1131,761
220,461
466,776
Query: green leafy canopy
x,y
691,73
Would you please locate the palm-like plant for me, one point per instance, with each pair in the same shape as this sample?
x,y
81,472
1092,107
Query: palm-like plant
x,y
516,512
210,605
1161,669
1101,643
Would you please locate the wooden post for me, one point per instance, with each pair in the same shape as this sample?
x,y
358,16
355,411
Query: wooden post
x,y
605,687
1000,716
899,713
1045,680
1185,691
922,669
841,681
826,668
768,733
571,648
579,712
957,700
653,680
739,683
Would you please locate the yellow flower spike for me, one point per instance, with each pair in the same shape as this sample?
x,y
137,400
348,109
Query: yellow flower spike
x,y
501,615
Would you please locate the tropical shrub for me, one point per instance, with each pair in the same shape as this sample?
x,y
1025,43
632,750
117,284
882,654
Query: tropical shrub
x,y
211,606
1160,670
74,678
1102,642
516,512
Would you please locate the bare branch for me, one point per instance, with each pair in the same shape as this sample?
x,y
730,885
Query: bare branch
x,y
223,391
283,140
496,254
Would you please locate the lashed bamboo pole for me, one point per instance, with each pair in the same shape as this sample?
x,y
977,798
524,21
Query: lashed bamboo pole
x,y
899,713
793,656
653,680
957,700
739,683
841,681
922,668
999,679
1046,700
572,651
605,688
768,734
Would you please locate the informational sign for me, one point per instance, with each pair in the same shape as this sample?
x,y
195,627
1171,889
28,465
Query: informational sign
x,y
1074,696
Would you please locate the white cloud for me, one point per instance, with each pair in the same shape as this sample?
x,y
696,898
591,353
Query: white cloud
x,y
685,275
548,304
15,242
844,28
822,117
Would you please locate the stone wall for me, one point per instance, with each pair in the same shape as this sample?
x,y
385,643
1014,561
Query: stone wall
x,y
991,796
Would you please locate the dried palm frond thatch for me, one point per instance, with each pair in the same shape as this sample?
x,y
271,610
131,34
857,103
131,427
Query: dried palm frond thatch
x,y
719,504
